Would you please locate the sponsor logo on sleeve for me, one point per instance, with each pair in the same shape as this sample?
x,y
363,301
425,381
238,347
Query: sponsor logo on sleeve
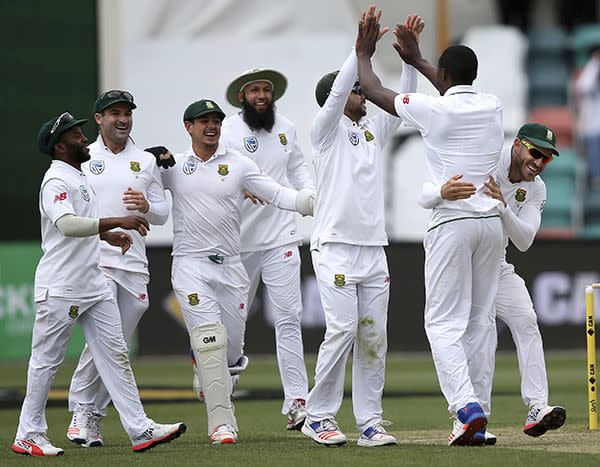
x,y
96,167
405,100
251,143
353,137
189,167
60,197
520,195
85,194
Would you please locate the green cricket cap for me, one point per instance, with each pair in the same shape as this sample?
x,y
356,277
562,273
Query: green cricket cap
x,y
200,108
108,98
51,131
539,135
324,87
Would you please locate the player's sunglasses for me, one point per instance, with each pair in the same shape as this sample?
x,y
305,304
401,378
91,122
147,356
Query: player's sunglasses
x,y
61,120
535,152
357,89
116,94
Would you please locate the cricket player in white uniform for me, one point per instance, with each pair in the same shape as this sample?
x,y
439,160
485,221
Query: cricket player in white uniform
x,y
208,183
269,236
125,179
348,255
523,194
462,132
70,287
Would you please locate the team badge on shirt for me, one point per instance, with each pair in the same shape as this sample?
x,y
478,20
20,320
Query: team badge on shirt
x,y
84,193
96,167
251,143
340,280
282,138
193,299
353,137
223,169
189,167
369,136
520,195
73,311
134,166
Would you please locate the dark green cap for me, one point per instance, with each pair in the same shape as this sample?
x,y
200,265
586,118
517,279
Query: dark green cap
x,y
51,131
108,98
539,135
324,87
202,107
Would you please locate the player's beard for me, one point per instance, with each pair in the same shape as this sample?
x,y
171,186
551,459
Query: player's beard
x,y
78,152
258,120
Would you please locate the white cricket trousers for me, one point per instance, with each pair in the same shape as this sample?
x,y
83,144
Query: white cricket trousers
x,y
279,269
99,318
514,307
87,393
208,292
462,265
354,287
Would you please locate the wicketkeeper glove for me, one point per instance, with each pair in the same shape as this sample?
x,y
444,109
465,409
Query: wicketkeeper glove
x,y
158,151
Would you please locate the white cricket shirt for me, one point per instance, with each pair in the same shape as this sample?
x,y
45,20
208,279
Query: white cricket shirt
x,y
349,207
110,175
69,267
278,155
463,134
207,200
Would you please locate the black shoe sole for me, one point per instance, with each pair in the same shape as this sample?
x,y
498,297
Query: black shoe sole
x,y
166,439
551,421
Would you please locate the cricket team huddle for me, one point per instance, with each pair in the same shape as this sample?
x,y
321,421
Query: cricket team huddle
x,y
235,192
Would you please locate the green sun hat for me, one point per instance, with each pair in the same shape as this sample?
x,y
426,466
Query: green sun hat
x,y
277,79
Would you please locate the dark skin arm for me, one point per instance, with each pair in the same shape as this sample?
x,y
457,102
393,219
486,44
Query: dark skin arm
x,y
127,223
120,239
368,35
408,49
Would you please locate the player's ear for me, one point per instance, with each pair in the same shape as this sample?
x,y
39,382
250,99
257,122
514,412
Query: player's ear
x,y
240,96
98,118
188,126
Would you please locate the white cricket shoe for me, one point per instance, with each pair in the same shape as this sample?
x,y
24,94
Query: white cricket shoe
x,y
325,432
157,434
223,434
376,436
78,429
94,439
542,418
296,415
36,444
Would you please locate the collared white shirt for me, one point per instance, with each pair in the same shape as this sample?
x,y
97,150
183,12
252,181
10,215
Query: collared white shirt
x,y
463,134
349,206
278,155
69,267
207,199
111,175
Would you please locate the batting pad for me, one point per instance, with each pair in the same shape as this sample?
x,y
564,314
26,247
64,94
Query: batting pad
x,y
209,342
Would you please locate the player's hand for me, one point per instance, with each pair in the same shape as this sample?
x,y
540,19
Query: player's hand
x,y
369,32
406,45
120,239
493,190
254,199
415,24
136,201
163,156
135,223
455,189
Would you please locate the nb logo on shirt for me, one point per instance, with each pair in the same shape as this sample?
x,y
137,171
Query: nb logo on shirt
x,y
60,197
405,100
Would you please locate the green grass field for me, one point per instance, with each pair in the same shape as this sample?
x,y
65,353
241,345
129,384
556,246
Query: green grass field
x,y
417,411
